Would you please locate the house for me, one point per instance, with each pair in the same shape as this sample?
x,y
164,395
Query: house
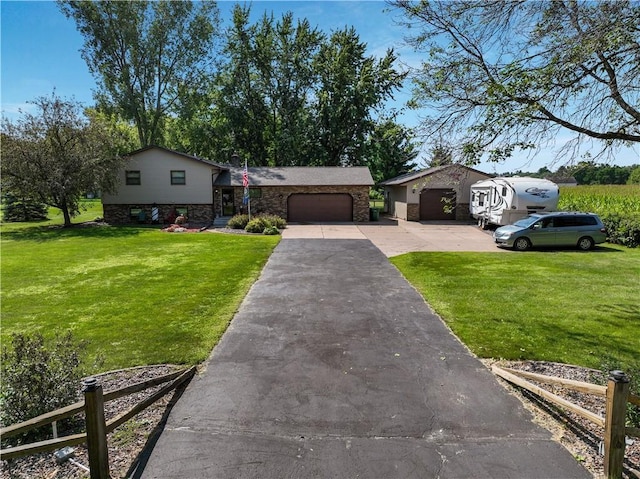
x,y
157,183
437,193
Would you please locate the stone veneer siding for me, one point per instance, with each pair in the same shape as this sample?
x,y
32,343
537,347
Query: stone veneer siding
x,y
119,214
273,199
413,212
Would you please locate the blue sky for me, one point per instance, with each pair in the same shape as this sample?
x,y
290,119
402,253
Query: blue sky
x,y
41,51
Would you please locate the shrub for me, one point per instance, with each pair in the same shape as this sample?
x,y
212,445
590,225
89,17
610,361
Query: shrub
x,y
275,220
238,222
257,225
261,222
632,371
16,209
622,229
271,230
37,378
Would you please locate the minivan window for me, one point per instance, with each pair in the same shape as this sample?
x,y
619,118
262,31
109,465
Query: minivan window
x,y
526,222
567,221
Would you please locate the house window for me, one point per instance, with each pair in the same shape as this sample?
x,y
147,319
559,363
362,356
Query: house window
x,y
178,177
132,177
255,193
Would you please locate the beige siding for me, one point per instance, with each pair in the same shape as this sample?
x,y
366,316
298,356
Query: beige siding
x,y
404,199
459,180
397,197
155,180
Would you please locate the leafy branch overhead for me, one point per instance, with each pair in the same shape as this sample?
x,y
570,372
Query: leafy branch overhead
x,y
502,76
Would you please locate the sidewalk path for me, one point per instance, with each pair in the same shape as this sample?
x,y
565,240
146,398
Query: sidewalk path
x,y
335,367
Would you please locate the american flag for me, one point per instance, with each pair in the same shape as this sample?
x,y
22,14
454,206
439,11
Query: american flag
x,y
245,183
245,176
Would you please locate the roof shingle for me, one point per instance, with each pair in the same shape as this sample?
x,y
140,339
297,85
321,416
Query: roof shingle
x,y
298,176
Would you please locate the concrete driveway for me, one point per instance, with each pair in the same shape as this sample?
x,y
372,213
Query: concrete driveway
x,y
394,237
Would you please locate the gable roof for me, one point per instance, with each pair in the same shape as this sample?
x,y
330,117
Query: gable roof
x,y
416,175
177,153
297,176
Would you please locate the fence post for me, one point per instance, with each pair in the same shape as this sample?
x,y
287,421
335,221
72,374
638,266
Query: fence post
x,y
96,429
614,428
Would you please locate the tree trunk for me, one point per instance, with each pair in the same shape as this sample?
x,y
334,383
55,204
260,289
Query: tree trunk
x,y
67,216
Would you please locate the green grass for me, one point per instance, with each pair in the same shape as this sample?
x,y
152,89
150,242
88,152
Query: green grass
x,y
139,295
563,306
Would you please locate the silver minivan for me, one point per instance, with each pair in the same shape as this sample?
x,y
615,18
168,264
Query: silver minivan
x,y
582,230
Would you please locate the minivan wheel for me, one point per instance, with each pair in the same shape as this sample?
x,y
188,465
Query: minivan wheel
x,y
522,244
585,243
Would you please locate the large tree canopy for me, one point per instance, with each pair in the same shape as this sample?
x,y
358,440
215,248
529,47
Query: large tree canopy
x,y
289,95
145,55
502,75
57,155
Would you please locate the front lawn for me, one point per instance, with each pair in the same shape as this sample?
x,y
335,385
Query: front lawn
x,y
139,295
564,306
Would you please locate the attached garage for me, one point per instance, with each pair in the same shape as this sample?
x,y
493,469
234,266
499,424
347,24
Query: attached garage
x,y
320,207
437,204
300,194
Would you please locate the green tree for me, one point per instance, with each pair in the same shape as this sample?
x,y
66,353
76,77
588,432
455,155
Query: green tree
x,y
441,154
145,55
634,176
265,87
22,209
57,155
352,87
242,102
500,76
390,151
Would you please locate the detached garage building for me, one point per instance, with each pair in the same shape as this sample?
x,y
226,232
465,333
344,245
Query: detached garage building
x,y
438,193
301,194
155,182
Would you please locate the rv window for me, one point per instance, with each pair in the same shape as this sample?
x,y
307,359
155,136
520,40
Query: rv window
x,y
504,191
481,200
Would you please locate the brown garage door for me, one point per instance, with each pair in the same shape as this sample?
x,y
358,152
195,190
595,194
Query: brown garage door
x,y
319,207
437,204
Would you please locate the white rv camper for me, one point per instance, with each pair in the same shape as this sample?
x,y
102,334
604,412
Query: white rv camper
x,y
502,201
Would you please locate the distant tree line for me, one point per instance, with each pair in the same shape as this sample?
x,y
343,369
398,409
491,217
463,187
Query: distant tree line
x,y
589,173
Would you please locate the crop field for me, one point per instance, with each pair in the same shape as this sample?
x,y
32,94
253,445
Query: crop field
x,y
602,199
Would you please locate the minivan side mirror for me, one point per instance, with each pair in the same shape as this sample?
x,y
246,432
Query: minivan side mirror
x,y
536,226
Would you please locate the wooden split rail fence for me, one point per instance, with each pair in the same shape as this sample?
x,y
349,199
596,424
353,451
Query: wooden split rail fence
x,y
96,426
616,394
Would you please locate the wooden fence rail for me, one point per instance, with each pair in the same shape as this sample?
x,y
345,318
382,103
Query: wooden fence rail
x,y
175,380
616,394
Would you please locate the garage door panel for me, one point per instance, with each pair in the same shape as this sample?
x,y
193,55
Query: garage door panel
x,y
432,206
320,207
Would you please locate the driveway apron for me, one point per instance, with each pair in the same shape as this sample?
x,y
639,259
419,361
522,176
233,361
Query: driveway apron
x,y
335,367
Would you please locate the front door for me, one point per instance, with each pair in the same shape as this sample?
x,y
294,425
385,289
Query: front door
x,y
227,202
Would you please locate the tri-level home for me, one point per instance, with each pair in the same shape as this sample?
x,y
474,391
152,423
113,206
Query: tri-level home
x,y
156,184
